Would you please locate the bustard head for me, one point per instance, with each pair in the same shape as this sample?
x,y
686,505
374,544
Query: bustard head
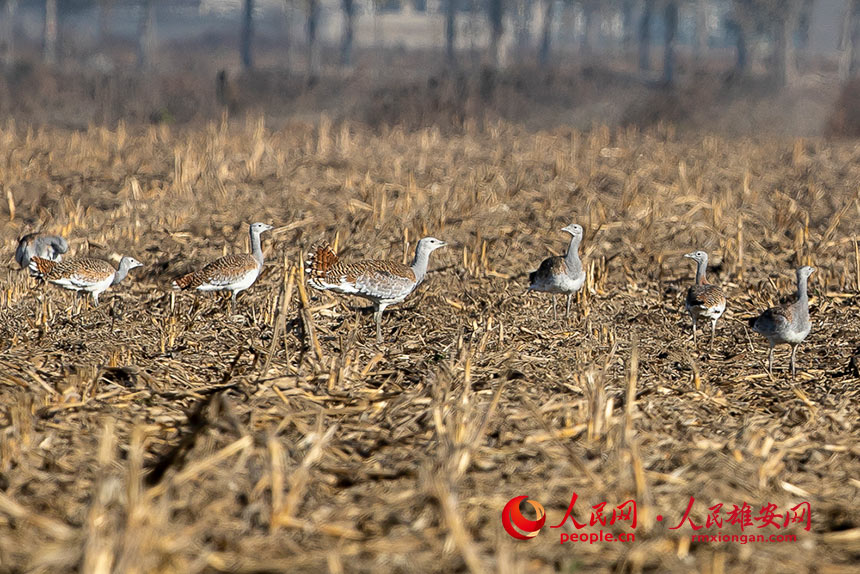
x,y
260,227
574,229
697,256
430,244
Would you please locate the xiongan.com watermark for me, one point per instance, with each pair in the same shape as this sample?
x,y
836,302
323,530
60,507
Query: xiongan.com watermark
x,y
743,538
622,519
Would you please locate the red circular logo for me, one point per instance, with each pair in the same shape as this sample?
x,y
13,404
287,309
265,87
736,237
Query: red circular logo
x,y
518,525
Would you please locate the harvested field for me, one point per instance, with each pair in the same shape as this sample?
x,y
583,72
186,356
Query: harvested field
x,y
159,432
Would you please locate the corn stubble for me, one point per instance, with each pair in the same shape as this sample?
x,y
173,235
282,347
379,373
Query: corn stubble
x,y
158,433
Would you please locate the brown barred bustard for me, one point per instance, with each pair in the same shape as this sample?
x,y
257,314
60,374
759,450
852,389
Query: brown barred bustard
x,y
704,301
381,282
86,274
233,273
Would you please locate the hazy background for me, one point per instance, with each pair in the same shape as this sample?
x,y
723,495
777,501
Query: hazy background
x,y
732,66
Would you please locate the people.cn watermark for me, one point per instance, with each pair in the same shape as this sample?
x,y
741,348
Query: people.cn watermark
x,y
622,520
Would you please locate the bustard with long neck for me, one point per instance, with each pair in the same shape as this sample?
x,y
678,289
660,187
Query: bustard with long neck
x,y
787,324
381,282
86,274
561,273
233,273
704,301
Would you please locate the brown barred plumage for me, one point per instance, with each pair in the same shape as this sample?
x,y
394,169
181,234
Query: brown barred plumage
x,y
381,282
233,273
224,270
703,299
85,268
85,274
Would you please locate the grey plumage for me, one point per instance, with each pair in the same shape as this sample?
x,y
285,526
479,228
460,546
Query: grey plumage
x,y
51,247
786,324
561,274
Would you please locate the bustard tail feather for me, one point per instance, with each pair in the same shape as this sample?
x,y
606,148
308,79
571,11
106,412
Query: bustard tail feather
x,y
40,267
184,282
320,260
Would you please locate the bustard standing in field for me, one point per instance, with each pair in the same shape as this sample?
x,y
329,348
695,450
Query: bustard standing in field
x,y
49,247
93,276
381,282
703,299
229,273
561,274
788,323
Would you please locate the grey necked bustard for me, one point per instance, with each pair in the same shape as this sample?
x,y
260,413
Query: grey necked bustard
x,y
233,273
86,274
561,274
788,323
704,301
381,282
51,247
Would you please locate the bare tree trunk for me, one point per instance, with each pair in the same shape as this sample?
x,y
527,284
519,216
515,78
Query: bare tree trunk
x,y
627,24
854,55
524,21
348,32
742,57
104,17
784,52
546,33
701,45
670,17
804,22
591,24
850,36
247,36
7,32
146,36
450,30
49,37
287,38
495,14
645,36
313,22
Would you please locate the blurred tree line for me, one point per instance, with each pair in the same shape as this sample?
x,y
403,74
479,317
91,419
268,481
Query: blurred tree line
x,y
521,30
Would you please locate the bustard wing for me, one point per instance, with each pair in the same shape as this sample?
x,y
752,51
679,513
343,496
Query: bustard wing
x,y
79,273
222,272
705,296
372,279
549,267
773,319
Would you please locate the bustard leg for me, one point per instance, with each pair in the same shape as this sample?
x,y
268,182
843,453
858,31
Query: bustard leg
x,y
793,364
569,295
695,342
378,317
770,360
713,332
554,315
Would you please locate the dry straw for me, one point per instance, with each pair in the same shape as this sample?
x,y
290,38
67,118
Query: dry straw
x,y
161,433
